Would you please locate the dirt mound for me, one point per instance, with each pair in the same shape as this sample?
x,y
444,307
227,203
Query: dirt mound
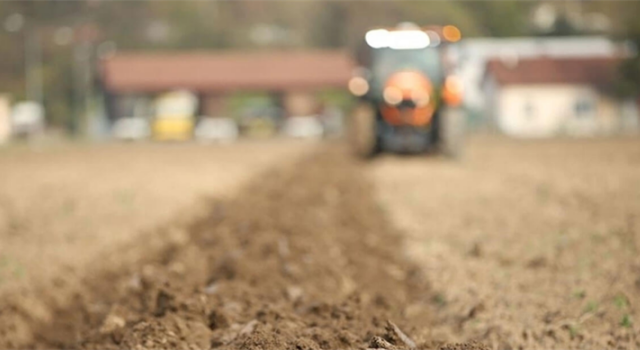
x,y
303,259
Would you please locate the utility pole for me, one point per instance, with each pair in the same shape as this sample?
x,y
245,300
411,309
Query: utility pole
x,y
32,56
33,66
83,84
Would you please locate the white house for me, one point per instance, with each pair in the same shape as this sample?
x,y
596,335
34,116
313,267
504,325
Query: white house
x,y
541,97
473,54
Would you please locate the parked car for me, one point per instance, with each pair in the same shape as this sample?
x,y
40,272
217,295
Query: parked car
x,y
260,121
217,130
174,118
27,119
306,127
131,129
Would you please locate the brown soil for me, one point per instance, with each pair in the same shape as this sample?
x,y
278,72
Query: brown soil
x,y
62,204
528,244
301,259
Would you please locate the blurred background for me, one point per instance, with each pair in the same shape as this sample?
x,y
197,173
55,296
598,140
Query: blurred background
x,y
100,69
525,244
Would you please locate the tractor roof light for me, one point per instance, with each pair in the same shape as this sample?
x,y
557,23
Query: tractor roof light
x,y
434,38
409,39
398,39
451,33
408,36
377,38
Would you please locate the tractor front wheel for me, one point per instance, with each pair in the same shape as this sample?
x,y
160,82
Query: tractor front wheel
x,y
362,131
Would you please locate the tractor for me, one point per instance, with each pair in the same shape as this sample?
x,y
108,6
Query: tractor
x,y
409,100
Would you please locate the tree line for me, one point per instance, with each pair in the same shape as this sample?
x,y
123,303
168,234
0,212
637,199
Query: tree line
x,y
72,34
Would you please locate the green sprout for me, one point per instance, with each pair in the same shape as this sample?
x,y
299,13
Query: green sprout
x,y
580,294
592,306
620,301
626,321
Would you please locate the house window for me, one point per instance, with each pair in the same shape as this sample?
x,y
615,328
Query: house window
x,y
584,107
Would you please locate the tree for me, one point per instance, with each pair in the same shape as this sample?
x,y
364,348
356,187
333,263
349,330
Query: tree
x,y
330,25
628,82
501,18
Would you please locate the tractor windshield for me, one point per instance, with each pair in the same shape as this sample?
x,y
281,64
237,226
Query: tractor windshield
x,y
387,61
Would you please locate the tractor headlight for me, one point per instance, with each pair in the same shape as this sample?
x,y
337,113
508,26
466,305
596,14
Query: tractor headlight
x,y
420,97
452,91
358,86
392,95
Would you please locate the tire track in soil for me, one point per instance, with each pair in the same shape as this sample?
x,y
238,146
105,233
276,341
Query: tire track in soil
x,y
303,258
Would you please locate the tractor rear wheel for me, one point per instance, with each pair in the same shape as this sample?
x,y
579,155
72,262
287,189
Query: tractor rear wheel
x,y
362,131
452,132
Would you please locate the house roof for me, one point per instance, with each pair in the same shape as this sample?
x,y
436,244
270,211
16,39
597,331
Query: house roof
x,y
600,72
566,46
226,70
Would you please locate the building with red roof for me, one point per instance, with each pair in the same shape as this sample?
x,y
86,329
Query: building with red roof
x,y
543,96
292,76
214,72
